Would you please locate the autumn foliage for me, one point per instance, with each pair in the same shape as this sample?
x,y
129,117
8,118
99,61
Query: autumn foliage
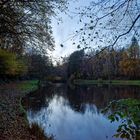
x,y
10,64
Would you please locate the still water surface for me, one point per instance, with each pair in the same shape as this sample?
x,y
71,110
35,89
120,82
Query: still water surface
x,y
75,114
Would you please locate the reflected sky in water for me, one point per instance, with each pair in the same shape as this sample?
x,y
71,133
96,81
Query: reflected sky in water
x,y
69,120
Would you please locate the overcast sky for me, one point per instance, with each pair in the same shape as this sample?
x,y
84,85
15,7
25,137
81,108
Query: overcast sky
x,y
64,29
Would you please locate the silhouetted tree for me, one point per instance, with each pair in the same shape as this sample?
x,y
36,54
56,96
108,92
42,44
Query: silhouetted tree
x,y
74,63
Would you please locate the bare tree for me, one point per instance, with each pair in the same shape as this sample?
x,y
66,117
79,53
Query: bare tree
x,y
106,22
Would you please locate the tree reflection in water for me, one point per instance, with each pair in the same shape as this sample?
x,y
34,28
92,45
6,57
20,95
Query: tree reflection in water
x,y
76,114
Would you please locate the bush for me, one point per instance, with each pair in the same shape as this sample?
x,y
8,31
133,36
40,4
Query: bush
x,y
11,65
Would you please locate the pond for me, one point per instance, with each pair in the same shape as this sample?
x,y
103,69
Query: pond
x,y
75,114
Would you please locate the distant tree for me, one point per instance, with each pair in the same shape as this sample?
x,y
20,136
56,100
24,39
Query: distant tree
x,y
134,49
75,63
103,65
61,70
130,63
130,67
39,66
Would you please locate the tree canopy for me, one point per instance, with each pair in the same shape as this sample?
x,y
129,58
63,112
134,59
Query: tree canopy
x,y
75,63
25,24
121,63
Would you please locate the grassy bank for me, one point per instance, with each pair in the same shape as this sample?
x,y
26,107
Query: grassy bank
x,y
107,82
13,119
26,87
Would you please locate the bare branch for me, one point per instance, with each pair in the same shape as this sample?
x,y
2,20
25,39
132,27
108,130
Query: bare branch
x,y
127,31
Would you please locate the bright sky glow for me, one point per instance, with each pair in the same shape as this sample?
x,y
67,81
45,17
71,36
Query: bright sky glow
x,y
64,30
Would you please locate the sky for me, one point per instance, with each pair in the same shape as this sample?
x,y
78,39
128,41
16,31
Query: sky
x,y
62,32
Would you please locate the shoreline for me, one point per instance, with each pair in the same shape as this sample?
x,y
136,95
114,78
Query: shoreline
x,y
13,118
107,82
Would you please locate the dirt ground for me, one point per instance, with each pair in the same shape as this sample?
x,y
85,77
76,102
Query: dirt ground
x,y
13,123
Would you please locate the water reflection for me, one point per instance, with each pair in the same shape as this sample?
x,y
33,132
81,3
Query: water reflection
x,y
75,114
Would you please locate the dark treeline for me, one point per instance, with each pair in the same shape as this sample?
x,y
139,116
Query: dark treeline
x,y
28,66
25,37
113,63
123,63
26,34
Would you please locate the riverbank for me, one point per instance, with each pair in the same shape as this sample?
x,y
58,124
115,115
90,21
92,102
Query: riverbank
x,y
107,82
13,121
